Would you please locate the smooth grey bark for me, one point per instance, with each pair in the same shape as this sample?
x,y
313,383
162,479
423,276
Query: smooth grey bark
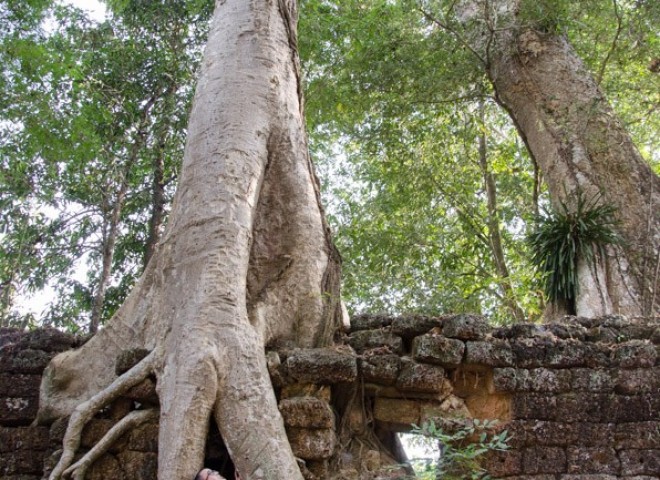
x,y
245,261
579,145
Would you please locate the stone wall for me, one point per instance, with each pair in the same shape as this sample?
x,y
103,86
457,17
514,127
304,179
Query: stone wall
x,y
580,398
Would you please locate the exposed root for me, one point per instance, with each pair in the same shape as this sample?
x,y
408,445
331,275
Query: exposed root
x,y
86,410
134,419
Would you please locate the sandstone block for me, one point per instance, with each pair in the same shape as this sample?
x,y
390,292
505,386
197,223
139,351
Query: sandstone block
x,y
589,476
595,434
439,350
94,431
144,438
600,460
137,465
317,444
322,392
22,462
544,460
48,339
494,353
306,412
548,352
465,327
19,385
592,380
637,435
17,411
410,326
533,380
381,369
635,354
503,463
398,413
445,411
23,438
552,434
144,392
381,339
369,322
321,366
533,406
472,381
585,407
32,361
419,377
127,359
109,467
638,380
640,462
635,408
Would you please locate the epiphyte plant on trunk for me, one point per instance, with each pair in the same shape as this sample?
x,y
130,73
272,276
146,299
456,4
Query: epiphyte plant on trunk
x,y
565,241
246,261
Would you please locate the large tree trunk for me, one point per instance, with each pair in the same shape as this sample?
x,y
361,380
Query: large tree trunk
x,y
245,261
579,145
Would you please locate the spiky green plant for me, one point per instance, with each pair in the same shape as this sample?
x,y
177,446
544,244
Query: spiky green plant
x,y
565,236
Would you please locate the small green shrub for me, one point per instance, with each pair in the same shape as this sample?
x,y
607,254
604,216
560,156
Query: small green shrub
x,y
563,237
458,448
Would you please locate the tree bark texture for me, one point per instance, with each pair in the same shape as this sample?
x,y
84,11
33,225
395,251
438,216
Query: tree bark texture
x,y
245,260
580,146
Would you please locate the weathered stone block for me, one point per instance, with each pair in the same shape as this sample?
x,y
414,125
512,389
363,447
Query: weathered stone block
x,y
544,460
144,392
592,380
321,366
23,438
638,380
585,407
127,359
138,464
439,350
17,411
410,326
108,467
382,339
447,410
588,476
399,414
532,406
634,408
22,462
494,353
567,331
640,462
317,444
465,327
534,380
19,385
419,377
48,339
144,438
503,463
28,361
94,431
322,392
552,434
635,354
369,322
381,369
548,352
600,460
595,434
637,435
472,381
306,412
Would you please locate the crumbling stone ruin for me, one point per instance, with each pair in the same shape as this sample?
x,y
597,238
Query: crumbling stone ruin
x,y
581,398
